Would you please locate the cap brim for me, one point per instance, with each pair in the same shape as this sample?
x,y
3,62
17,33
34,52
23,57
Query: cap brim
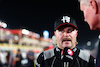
x,y
65,24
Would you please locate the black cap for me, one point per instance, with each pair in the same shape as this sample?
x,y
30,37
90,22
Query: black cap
x,y
65,20
30,53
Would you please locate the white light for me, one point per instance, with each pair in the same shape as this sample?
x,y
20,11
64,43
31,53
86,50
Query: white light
x,y
25,61
46,34
99,36
24,31
89,43
4,25
37,36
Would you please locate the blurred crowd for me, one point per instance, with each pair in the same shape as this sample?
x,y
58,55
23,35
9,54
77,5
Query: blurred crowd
x,y
20,47
20,59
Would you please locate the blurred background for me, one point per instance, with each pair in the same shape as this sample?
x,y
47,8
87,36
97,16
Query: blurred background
x,y
28,27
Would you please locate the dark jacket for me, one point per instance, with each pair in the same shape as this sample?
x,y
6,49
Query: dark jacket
x,y
53,58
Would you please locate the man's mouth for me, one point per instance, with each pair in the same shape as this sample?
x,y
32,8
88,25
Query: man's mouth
x,y
66,39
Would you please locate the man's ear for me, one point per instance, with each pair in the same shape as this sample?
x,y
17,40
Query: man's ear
x,y
77,32
55,33
94,6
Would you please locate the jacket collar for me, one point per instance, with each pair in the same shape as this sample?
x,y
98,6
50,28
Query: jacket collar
x,y
59,50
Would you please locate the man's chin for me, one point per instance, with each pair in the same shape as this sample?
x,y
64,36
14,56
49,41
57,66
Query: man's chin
x,y
67,46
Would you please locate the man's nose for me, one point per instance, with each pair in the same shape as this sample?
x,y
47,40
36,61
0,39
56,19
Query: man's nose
x,y
65,34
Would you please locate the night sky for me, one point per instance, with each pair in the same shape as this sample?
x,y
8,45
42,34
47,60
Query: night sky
x,y
38,16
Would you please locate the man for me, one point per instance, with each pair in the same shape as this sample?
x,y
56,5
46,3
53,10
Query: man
x,y
91,10
65,54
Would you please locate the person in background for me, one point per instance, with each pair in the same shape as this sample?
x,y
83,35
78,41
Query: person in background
x,y
9,58
30,58
18,58
66,54
3,59
91,11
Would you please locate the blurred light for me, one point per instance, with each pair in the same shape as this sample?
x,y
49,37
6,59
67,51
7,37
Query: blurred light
x,y
99,36
3,24
25,61
16,37
89,43
37,36
24,31
51,46
46,34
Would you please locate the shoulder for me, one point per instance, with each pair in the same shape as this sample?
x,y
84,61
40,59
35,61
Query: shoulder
x,y
84,55
46,54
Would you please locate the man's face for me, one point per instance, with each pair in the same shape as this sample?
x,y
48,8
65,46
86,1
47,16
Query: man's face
x,y
66,37
89,15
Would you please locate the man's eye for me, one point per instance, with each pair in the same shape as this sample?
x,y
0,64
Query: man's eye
x,y
70,30
61,31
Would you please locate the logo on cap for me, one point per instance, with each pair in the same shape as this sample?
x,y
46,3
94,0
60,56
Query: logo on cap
x,y
65,19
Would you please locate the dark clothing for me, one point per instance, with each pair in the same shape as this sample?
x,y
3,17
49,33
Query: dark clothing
x,y
53,58
30,63
18,63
